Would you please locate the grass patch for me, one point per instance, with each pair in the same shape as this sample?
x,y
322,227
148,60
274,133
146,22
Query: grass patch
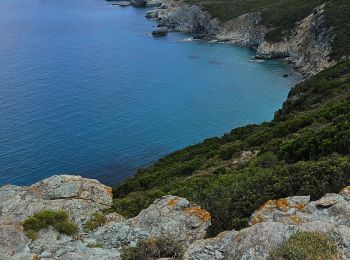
x,y
43,219
97,220
97,245
306,246
153,248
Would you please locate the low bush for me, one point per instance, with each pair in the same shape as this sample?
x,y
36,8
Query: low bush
x,y
97,220
306,246
43,219
153,248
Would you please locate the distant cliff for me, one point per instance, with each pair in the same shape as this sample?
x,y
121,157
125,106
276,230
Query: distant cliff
x,y
170,218
307,43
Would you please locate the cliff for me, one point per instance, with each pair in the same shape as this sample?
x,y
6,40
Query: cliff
x,y
168,217
308,45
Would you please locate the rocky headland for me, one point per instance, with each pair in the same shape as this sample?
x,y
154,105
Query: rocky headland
x,y
169,216
308,47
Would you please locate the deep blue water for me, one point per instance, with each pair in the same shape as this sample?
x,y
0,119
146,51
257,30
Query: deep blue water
x,y
84,90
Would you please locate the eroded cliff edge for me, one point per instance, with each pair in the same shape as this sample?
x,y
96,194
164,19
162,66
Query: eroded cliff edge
x,y
308,47
169,216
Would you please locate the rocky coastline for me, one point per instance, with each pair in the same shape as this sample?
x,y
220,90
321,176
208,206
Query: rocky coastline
x,y
308,48
170,216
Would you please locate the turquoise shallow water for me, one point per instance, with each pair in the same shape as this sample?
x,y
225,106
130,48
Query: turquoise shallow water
x,y
84,90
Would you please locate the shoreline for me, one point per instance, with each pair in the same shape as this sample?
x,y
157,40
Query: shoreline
x,y
307,55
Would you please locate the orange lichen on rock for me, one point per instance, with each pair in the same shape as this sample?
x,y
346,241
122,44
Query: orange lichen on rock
x,y
299,206
257,219
199,213
172,202
283,204
271,204
109,191
295,219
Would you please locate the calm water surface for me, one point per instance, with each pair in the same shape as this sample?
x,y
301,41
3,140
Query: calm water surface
x,y
84,90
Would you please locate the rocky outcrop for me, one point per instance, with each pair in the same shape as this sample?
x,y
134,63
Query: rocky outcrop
x,y
78,196
160,32
275,222
181,17
169,216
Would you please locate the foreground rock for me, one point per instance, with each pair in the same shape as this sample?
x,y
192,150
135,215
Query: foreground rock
x,y
275,222
169,216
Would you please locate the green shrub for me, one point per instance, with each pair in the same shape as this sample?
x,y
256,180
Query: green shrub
x,y
97,220
66,227
43,219
306,246
153,248
132,204
97,245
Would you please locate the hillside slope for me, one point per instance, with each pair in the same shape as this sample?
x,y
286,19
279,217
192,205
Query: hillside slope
x,y
304,150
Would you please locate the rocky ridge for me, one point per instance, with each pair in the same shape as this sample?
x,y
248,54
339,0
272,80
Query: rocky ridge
x,y
169,216
308,47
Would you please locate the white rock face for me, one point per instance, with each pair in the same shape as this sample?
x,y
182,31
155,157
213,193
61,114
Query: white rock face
x,y
308,47
169,216
275,222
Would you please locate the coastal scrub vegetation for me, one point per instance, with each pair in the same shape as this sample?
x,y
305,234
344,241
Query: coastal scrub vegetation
x,y
97,220
306,245
153,248
304,150
45,218
282,15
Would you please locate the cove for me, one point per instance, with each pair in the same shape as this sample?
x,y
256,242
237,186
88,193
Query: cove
x,y
84,90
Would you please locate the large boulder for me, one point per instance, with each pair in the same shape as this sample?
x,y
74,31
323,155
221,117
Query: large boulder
x,y
78,196
173,217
